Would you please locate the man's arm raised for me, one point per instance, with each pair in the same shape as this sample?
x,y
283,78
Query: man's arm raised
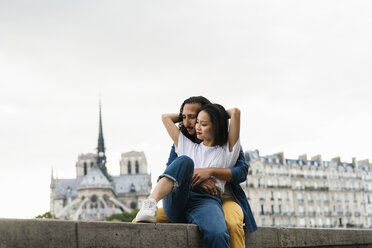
x,y
234,127
169,120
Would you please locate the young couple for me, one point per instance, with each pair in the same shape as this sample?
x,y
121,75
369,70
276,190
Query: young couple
x,y
201,182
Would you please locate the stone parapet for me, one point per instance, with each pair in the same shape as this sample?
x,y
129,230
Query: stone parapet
x,y
82,234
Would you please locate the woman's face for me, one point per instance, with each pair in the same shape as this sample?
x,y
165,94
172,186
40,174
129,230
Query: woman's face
x,y
204,128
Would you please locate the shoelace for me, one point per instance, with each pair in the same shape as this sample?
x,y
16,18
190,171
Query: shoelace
x,y
148,204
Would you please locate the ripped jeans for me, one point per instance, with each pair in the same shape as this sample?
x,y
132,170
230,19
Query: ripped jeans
x,y
185,205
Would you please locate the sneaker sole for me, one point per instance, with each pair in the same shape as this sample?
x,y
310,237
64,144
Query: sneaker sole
x,y
146,219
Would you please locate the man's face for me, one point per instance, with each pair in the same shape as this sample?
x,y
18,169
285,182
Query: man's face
x,y
189,116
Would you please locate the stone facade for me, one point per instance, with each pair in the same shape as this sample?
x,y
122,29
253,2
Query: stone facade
x,y
93,196
309,192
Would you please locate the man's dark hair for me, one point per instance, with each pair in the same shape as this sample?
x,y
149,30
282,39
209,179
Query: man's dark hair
x,y
219,119
194,99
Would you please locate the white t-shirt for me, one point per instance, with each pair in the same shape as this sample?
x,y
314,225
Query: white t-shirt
x,y
209,156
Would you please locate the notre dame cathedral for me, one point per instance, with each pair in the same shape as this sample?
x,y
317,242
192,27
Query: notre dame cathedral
x,y
95,194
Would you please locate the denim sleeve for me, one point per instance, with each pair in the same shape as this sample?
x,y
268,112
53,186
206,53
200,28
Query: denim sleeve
x,y
240,169
172,156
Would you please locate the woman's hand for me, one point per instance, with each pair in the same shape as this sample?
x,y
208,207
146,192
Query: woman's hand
x,y
209,186
200,175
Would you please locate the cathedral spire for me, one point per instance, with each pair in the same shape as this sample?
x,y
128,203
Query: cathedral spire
x,y
101,143
101,156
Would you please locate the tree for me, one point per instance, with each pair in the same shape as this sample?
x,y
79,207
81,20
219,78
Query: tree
x,y
123,217
47,215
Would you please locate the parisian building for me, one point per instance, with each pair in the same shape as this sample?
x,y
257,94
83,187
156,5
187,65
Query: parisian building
x,y
94,194
309,193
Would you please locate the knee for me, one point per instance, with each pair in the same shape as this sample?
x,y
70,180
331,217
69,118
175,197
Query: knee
x,y
187,163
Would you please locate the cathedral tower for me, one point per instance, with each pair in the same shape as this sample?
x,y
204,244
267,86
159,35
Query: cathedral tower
x,y
101,156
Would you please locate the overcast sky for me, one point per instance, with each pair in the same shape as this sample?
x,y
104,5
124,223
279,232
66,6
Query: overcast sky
x,y
300,71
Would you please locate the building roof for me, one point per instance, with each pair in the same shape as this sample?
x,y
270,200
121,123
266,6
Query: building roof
x,y
132,154
65,187
121,184
95,178
132,183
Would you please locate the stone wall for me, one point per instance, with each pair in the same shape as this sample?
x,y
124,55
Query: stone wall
x,y
71,234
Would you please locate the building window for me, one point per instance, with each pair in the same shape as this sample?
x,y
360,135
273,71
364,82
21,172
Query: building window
x,y
318,209
301,210
325,197
263,222
276,183
298,185
302,222
337,197
311,209
299,196
328,222
262,195
287,209
137,167
129,168
312,222
85,169
260,182
269,183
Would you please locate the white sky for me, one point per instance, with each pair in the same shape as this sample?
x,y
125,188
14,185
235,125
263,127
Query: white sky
x,y
300,71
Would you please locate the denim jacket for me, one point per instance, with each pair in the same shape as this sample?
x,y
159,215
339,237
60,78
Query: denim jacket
x,y
239,175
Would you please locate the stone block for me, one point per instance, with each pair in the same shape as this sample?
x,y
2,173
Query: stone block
x,y
263,237
194,238
37,233
106,234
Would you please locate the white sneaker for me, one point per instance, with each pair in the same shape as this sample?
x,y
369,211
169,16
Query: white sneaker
x,y
147,213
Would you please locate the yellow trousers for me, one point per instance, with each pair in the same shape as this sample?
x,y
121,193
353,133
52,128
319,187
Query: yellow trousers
x,y
233,217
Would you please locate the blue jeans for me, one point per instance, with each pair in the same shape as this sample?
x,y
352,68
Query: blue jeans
x,y
194,206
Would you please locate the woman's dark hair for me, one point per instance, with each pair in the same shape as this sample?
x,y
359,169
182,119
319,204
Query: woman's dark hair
x,y
219,119
194,99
